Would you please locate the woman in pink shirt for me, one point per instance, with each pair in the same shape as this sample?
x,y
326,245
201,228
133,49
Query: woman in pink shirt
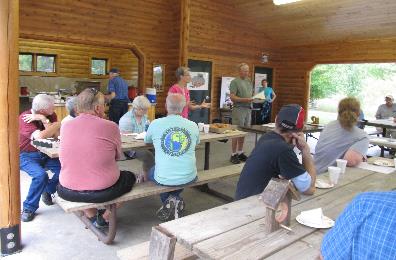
x,y
183,78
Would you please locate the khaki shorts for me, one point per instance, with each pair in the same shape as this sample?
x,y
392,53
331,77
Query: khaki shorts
x,y
241,116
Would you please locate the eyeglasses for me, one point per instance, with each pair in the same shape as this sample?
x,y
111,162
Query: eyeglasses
x,y
94,91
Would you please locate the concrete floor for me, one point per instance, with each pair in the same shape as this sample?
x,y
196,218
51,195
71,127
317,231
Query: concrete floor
x,y
53,234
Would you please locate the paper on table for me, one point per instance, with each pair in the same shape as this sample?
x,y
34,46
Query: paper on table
x,y
375,168
270,125
140,136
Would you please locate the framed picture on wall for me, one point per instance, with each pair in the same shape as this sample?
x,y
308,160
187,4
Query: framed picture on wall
x,y
159,77
199,81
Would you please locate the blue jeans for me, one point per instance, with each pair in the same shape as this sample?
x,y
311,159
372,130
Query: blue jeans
x,y
164,196
35,164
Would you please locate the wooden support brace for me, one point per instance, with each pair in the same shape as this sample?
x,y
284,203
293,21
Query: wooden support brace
x,y
162,244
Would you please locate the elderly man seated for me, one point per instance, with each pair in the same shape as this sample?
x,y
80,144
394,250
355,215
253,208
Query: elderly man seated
x,y
135,121
342,139
89,148
174,139
273,157
364,230
38,123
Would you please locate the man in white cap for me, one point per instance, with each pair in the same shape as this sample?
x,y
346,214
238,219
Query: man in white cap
x,y
386,110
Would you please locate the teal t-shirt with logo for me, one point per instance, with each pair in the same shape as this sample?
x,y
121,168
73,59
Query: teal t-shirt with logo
x,y
174,139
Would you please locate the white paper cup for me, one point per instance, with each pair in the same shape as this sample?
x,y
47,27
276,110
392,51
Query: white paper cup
x,y
206,129
201,126
342,165
334,174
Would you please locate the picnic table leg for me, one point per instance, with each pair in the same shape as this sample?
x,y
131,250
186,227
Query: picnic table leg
x,y
382,147
207,153
108,237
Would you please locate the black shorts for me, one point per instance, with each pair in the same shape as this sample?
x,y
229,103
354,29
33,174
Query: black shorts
x,y
122,186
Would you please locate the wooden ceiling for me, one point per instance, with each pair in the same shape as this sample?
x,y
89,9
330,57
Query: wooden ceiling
x,y
320,21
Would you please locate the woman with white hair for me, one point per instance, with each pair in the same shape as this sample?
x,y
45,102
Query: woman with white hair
x,y
71,109
135,121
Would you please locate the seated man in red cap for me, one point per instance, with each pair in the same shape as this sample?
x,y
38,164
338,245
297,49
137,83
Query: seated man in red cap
x,y
273,157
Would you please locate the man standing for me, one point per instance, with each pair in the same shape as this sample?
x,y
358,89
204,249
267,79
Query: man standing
x,y
241,89
38,123
273,157
174,139
118,96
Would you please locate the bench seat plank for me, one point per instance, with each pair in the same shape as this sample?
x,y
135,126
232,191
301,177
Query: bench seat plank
x,y
146,189
141,252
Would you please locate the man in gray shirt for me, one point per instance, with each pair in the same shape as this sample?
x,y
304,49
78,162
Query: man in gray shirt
x,y
342,139
386,110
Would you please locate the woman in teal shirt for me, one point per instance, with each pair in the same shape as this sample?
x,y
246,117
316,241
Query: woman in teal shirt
x,y
269,98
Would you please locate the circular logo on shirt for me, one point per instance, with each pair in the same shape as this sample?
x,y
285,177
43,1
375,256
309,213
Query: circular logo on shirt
x,y
175,141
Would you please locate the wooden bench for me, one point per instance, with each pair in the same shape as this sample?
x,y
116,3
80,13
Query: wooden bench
x,y
140,190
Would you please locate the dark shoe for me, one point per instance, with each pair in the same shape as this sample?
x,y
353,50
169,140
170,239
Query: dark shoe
x,y
180,206
242,157
27,215
234,159
167,211
99,221
47,199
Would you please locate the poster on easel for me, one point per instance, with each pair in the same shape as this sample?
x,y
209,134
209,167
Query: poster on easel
x,y
258,77
225,100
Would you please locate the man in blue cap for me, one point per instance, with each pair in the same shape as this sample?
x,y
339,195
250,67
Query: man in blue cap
x,y
118,95
273,157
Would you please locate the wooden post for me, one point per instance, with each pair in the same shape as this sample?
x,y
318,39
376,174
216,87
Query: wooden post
x,y
184,31
9,109
162,244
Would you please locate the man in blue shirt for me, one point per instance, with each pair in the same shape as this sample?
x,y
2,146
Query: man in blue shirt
x,y
174,139
118,96
365,229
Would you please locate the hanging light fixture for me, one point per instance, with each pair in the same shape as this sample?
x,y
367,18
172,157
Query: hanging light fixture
x,y
282,2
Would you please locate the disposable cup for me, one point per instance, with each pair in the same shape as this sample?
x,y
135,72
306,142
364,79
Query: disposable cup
x,y
206,129
342,165
334,174
201,126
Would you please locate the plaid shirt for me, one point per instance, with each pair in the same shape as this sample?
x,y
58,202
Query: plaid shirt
x,y
365,230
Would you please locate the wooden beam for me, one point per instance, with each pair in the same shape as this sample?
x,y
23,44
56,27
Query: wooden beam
x,y
184,31
9,106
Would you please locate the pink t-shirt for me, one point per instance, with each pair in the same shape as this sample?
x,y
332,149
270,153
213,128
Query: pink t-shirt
x,y
89,148
186,93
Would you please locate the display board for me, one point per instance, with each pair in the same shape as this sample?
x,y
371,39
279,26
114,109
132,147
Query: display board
x,y
200,86
225,100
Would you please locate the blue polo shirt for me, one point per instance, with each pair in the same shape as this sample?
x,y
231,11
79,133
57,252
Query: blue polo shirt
x,y
364,230
120,87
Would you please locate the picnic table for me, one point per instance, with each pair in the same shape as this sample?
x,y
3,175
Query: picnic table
x,y
236,230
384,124
308,129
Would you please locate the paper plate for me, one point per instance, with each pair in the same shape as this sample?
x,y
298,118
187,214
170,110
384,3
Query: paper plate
x,y
327,222
321,184
381,162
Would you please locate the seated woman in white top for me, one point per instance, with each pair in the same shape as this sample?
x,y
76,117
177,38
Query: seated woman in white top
x,y
342,139
135,121
71,105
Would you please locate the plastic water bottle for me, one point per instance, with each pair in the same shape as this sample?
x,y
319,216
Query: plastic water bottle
x,y
146,126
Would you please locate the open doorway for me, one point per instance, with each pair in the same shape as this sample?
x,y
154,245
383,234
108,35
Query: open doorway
x,y
368,82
